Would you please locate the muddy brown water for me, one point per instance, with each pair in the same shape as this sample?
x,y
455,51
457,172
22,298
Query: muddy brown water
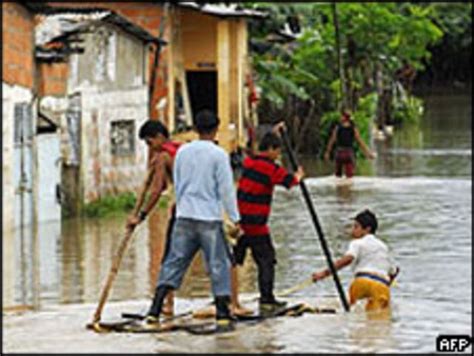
x,y
420,188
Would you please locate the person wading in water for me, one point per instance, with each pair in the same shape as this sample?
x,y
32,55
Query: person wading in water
x,y
343,136
373,265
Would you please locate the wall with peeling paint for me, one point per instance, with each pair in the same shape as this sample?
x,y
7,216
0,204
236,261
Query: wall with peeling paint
x,y
112,60
102,171
17,91
11,95
111,79
100,115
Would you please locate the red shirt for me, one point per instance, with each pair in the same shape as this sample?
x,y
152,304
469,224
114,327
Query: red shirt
x,y
255,189
171,147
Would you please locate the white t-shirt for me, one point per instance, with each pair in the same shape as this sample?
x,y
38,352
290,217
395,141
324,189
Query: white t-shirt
x,y
370,255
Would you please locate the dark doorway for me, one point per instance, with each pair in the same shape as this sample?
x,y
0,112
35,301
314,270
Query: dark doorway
x,y
202,88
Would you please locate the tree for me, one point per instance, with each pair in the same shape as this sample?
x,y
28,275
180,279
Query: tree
x,y
300,80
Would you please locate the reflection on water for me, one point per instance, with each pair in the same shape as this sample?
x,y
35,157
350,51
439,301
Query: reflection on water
x,y
420,189
440,146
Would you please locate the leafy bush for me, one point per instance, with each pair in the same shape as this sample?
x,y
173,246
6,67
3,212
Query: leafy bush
x,y
365,115
328,121
117,204
408,110
109,205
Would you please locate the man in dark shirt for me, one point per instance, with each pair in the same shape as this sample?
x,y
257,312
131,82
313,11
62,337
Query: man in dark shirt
x,y
343,135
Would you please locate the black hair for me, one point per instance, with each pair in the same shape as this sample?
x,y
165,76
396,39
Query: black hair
x,y
367,218
206,121
151,128
269,140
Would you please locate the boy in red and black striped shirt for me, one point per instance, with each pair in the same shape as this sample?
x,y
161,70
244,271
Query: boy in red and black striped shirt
x,y
260,174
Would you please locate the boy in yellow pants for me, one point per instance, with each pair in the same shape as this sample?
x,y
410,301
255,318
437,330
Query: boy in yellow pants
x,y
373,268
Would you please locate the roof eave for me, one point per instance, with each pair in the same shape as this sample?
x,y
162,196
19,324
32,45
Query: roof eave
x,y
112,18
196,7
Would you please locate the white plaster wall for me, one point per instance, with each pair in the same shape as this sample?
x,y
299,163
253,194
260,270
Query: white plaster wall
x,y
49,177
50,153
10,96
56,107
102,174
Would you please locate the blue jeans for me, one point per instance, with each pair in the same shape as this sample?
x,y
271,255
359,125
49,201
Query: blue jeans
x,y
187,237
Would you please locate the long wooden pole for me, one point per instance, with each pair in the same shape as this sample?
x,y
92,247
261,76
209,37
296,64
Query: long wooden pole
x,y
112,274
314,217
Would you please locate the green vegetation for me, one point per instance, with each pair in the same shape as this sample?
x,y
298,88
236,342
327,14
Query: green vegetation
x,y
110,205
451,60
408,110
117,204
381,46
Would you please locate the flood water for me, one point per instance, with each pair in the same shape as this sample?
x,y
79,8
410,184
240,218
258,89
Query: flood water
x,y
420,188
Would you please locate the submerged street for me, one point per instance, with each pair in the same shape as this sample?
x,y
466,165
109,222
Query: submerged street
x,y
420,187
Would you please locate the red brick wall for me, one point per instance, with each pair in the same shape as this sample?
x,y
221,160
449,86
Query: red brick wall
x,y
17,45
146,15
53,79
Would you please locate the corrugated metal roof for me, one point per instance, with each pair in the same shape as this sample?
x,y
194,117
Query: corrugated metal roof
x,y
62,23
222,10
52,27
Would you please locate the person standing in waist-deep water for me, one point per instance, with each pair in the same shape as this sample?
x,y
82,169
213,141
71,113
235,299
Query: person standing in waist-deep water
x,y
374,269
160,174
204,186
344,135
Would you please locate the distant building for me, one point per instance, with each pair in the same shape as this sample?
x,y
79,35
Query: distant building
x,y
95,85
82,79
205,62
208,56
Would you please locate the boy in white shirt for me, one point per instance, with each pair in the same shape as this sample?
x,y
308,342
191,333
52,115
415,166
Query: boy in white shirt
x,y
373,268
